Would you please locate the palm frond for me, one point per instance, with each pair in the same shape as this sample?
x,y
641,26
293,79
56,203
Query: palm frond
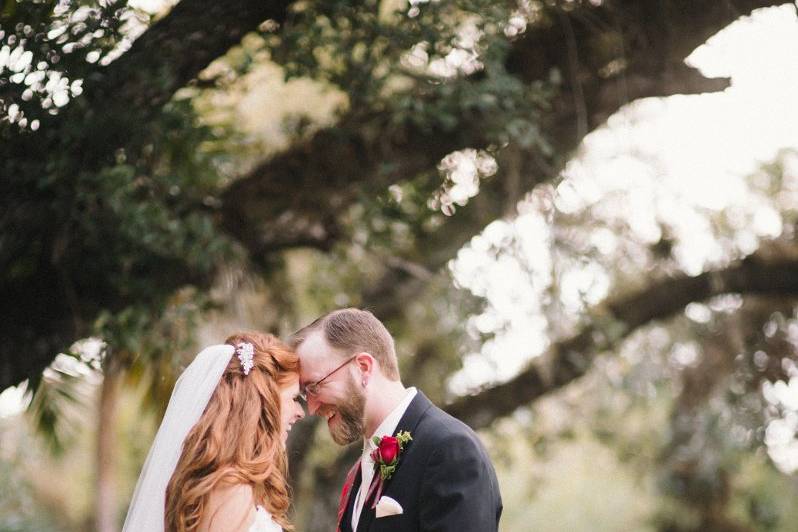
x,y
60,401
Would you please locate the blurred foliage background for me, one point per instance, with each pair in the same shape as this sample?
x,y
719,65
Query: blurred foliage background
x,y
622,330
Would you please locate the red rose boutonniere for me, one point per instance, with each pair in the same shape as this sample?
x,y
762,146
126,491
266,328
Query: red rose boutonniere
x,y
386,455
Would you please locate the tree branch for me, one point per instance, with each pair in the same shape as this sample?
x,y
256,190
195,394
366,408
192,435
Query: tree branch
x,y
569,359
113,113
629,50
162,60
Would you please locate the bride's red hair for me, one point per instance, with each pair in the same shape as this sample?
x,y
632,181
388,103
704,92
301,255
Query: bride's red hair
x,y
238,438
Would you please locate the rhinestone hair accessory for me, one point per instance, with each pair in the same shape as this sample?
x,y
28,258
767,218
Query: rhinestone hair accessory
x,y
245,352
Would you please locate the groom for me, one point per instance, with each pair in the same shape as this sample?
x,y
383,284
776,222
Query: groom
x,y
429,470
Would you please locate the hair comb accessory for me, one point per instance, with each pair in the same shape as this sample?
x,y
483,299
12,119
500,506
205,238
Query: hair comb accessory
x,y
245,352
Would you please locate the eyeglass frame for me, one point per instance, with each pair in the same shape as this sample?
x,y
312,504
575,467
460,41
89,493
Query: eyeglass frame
x,y
312,388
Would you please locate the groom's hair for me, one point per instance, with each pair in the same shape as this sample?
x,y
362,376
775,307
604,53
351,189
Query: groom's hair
x,y
351,330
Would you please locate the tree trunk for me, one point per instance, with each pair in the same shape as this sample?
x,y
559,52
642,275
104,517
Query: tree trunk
x,y
105,502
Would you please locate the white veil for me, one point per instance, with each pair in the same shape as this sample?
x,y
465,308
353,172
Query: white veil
x,y
192,392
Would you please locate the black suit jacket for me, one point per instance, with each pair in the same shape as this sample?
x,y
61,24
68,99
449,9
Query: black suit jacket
x,y
444,481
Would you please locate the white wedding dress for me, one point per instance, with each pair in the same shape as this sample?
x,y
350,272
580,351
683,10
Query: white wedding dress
x,y
264,522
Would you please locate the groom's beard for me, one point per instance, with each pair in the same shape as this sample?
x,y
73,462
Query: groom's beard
x,y
349,426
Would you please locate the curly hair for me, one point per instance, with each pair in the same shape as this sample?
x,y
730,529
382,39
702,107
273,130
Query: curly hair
x,y
237,440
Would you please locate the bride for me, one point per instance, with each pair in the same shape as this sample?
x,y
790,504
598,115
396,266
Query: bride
x,y
218,462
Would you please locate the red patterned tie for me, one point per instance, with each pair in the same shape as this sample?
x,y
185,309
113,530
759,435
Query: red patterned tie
x,y
350,480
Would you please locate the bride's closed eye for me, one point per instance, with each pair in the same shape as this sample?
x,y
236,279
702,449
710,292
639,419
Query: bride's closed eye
x,y
300,400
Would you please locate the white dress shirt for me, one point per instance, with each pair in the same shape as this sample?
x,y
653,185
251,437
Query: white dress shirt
x,y
386,428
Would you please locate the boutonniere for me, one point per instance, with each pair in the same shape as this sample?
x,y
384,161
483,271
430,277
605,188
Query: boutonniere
x,y
387,453
386,457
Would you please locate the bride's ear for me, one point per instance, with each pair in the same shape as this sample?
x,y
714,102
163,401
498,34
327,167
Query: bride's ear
x,y
366,365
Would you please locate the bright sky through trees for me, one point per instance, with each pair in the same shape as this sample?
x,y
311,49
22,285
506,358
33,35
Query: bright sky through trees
x,y
672,160
672,156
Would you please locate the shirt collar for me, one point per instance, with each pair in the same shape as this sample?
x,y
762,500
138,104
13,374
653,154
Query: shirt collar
x,y
389,424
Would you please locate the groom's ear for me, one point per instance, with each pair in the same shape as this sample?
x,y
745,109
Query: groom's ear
x,y
366,364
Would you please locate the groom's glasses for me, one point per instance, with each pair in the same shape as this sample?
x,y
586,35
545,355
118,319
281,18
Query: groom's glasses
x,y
312,388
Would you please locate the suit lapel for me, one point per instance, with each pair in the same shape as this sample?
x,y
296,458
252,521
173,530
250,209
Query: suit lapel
x,y
415,410
366,517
